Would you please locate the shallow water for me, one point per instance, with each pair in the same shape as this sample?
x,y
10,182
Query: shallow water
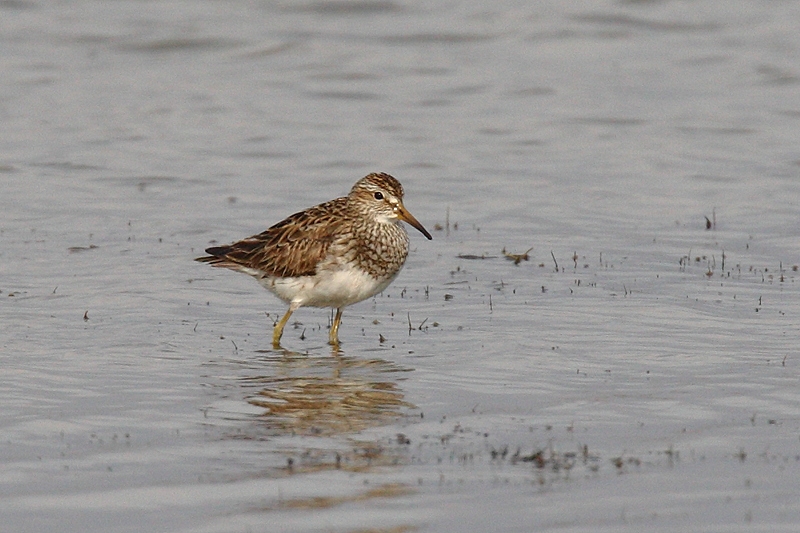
x,y
636,371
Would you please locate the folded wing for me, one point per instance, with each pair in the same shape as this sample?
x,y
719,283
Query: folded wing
x,y
290,248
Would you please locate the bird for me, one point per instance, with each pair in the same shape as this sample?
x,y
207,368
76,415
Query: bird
x,y
333,255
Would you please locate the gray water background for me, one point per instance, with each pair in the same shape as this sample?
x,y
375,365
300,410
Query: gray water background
x,y
638,372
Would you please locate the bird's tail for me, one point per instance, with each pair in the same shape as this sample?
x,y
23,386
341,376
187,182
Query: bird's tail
x,y
216,257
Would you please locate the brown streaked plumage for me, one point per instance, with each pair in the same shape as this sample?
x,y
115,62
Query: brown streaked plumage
x,y
332,255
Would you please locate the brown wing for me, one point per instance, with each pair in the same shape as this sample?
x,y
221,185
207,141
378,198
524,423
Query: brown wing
x,y
292,247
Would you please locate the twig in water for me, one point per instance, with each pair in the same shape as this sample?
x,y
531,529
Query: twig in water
x,y
517,257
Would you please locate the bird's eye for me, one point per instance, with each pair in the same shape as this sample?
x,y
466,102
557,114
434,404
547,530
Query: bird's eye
x,y
378,196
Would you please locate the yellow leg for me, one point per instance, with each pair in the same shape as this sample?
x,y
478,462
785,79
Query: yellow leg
x,y
333,338
277,333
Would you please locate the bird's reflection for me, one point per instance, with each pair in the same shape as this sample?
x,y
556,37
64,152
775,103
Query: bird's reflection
x,y
326,393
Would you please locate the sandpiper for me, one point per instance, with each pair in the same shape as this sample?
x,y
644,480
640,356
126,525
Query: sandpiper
x,y
332,255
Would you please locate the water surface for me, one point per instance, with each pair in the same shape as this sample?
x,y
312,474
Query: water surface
x,y
638,371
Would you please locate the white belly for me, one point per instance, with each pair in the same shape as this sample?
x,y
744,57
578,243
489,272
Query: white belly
x,y
329,288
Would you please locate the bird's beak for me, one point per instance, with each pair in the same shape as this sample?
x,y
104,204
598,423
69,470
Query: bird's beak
x,y
405,216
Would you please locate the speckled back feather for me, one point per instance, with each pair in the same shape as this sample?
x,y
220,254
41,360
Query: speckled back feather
x,y
293,247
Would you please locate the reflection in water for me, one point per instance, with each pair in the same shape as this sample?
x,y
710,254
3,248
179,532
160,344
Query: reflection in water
x,y
327,394
387,490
